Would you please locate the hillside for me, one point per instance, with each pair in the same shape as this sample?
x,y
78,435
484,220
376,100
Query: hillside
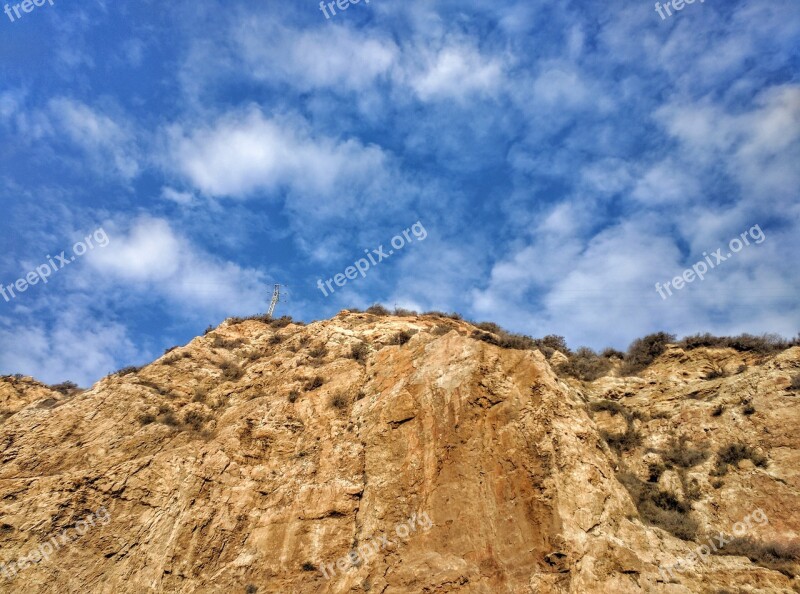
x,y
259,456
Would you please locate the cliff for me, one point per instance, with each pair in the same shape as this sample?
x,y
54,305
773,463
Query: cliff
x,y
402,455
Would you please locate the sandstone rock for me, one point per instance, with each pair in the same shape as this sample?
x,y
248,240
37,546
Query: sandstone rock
x,y
226,466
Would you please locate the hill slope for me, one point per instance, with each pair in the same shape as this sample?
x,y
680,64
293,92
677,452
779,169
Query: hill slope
x,y
258,457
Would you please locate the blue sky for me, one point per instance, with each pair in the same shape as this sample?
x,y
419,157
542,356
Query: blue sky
x,y
562,157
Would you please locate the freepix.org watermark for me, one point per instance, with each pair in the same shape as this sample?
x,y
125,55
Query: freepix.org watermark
x,y
373,544
46,549
26,6
361,266
715,544
735,245
342,4
677,6
43,272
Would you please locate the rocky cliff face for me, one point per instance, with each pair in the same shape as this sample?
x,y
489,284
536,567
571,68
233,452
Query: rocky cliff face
x,y
399,454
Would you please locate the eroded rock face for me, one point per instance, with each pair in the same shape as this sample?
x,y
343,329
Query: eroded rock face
x,y
256,459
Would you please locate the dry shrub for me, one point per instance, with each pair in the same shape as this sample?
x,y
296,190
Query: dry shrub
x,y
231,371
220,342
282,322
441,314
764,344
732,454
626,442
489,327
679,453
127,370
552,342
147,418
654,471
167,416
318,352
315,382
715,373
586,365
338,401
65,388
615,408
780,555
660,508
631,438
506,340
401,338
378,310
643,351
788,550
610,353
194,419
264,318
359,352
494,334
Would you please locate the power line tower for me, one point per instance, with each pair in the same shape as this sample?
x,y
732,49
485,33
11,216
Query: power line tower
x,y
276,295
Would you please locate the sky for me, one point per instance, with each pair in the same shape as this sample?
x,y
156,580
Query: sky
x,y
165,163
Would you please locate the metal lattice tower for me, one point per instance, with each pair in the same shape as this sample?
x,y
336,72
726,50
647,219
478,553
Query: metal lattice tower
x,y
276,295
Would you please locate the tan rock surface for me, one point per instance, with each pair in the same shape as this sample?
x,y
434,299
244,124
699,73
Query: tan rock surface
x,y
224,468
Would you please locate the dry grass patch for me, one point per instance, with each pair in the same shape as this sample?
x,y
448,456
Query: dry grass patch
x,y
231,371
338,401
318,352
660,508
586,365
360,352
315,382
401,338
734,453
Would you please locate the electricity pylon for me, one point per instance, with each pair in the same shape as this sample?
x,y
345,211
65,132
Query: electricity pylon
x,y
276,295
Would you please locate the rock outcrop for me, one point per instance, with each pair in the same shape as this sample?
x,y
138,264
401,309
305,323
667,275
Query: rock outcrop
x,y
400,455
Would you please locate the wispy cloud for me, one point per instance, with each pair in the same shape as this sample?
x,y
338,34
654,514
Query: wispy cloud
x,y
102,138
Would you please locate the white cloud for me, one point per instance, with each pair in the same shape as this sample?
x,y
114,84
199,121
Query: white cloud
x,y
341,59
29,124
455,71
79,348
98,134
560,84
667,183
607,176
149,257
332,56
246,152
11,102
600,290
760,147
173,195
